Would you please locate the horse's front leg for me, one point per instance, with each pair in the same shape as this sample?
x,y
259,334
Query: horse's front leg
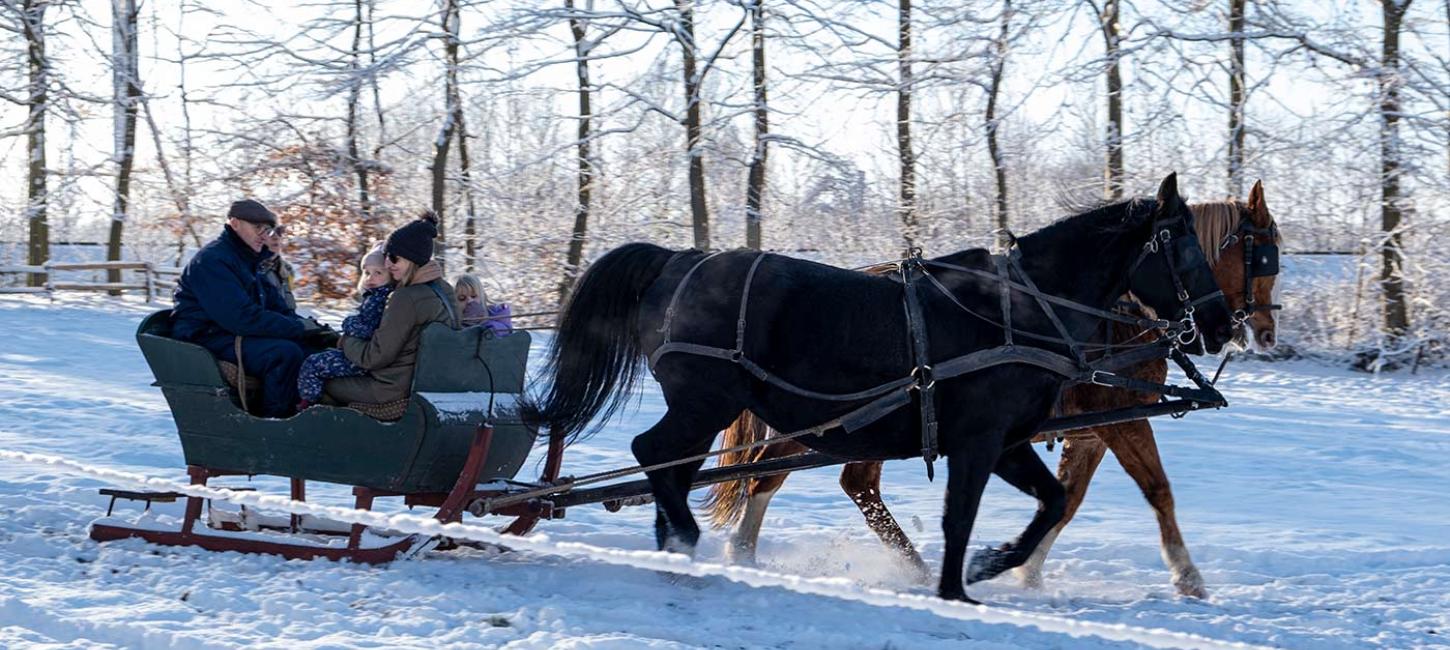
x,y
1023,469
1080,459
1137,451
967,473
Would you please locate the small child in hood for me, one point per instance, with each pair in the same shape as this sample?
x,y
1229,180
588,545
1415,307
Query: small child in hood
x,y
373,287
476,309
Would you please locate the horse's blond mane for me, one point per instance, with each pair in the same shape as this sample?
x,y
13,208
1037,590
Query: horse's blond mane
x,y
1214,220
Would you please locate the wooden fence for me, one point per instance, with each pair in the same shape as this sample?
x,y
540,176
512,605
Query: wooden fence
x,y
153,278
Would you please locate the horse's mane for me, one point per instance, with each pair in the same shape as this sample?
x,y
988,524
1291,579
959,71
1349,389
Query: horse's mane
x,y
1216,220
1111,217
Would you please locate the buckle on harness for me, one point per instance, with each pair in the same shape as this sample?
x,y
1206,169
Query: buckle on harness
x,y
1093,377
922,377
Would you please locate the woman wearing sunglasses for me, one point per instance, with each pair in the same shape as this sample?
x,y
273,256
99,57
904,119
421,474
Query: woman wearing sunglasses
x,y
420,298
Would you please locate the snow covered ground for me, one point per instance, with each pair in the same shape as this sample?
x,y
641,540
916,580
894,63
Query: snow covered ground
x,y
1315,507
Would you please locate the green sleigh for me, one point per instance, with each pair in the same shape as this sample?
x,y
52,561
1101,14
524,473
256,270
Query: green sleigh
x,y
460,428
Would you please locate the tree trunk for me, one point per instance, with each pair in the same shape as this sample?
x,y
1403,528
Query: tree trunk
x,y
574,260
999,167
38,250
1236,89
451,111
373,80
1392,282
755,181
354,100
1112,38
699,207
470,217
906,201
126,90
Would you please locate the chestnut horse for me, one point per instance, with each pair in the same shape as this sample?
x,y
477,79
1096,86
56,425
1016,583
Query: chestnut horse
x,y
1221,233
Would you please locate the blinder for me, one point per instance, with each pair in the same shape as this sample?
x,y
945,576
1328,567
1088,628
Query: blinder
x,y
1265,261
1261,260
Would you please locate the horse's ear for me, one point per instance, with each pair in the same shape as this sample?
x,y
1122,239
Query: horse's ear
x,y
1168,190
1258,210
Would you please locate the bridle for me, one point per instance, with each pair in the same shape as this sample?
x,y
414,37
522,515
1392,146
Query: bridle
x,y
1163,242
1260,261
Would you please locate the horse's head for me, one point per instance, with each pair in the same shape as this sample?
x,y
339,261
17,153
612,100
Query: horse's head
x,y
1247,268
1172,276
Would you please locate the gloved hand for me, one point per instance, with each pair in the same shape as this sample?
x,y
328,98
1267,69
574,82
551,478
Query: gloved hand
x,y
318,335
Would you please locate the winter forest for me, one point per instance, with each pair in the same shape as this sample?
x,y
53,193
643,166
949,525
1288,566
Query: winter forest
x,y
845,131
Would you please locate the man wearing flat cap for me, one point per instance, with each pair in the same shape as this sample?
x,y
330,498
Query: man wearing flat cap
x,y
223,294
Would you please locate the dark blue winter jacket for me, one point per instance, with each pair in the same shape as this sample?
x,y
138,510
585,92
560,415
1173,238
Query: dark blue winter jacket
x,y
369,314
222,290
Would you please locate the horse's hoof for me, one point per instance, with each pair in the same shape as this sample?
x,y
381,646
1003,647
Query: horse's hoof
x,y
1190,585
988,563
960,597
1031,577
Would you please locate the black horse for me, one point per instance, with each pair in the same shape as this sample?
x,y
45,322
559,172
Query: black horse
x,y
836,331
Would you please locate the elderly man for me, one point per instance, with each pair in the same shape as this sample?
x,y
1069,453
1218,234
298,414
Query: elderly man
x,y
224,295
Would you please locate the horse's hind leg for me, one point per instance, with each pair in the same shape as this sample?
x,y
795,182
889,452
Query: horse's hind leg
x,y
862,482
1021,467
1137,452
1080,459
747,534
676,436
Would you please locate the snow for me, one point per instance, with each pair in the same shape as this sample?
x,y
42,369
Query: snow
x,y
459,407
1314,506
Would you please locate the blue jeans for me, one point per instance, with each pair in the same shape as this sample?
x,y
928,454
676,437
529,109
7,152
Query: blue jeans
x,y
274,361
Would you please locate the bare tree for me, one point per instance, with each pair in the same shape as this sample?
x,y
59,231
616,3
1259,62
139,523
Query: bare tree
x,y
27,19
453,114
583,48
994,91
1110,25
126,94
1237,98
755,178
1392,209
693,78
906,157
354,96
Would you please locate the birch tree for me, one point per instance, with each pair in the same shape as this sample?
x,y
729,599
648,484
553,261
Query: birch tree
x,y
27,20
126,94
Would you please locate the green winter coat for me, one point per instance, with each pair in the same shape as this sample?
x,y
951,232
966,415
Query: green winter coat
x,y
389,356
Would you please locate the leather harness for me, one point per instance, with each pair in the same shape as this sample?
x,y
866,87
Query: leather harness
x,y
886,398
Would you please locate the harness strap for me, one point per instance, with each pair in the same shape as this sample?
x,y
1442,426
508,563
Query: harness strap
x,y
921,371
1072,345
1005,287
680,290
1146,323
745,302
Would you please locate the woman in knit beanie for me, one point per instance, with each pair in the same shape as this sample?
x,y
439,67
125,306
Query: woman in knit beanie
x,y
412,243
420,299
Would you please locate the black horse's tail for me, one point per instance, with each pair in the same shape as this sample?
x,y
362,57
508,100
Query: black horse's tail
x,y
595,358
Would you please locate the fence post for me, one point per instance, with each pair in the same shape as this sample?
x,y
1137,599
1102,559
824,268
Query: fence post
x,y
49,281
150,271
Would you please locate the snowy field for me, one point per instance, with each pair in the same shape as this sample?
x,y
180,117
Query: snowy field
x,y
1315,506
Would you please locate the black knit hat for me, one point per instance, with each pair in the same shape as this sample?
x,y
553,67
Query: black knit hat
x,y
249,210
414,241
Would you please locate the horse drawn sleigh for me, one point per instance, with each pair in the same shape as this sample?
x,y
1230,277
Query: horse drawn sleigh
x,y
460,440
